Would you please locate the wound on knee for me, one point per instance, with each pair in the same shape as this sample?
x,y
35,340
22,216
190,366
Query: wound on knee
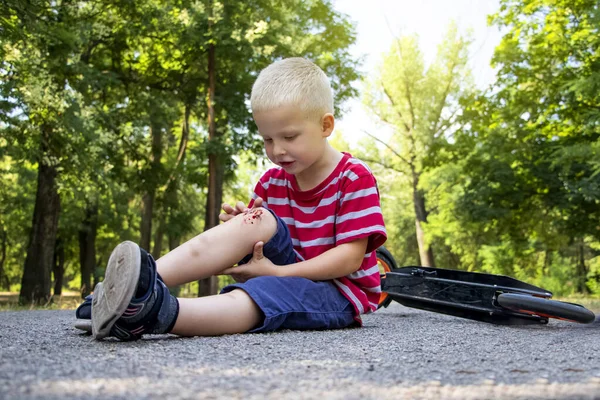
x,y
252,215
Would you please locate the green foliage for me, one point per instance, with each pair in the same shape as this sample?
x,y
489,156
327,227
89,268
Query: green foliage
x,y
420,104
511,179
106,78
521,193
16,206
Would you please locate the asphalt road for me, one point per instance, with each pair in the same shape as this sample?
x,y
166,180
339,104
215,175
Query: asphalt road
x,y
399,353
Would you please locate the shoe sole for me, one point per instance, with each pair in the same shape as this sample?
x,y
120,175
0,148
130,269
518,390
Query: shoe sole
x,y
83,325
113,295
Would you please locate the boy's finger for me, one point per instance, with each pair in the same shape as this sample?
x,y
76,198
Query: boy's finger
x,y
228,271
258,202
227,208
224,217
240,207
258,251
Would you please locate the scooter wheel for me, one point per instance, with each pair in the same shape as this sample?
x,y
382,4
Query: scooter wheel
x,y
386,263
546,308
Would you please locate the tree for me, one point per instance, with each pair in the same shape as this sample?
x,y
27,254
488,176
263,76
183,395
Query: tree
x,y
42,119
524,170
241,39
420,105
114,98
549,73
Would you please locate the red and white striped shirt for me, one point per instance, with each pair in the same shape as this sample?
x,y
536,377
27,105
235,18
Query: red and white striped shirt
x,y
343,208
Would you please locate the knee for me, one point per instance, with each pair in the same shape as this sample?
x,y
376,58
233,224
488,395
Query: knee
x,y
239,297
260,220
255,216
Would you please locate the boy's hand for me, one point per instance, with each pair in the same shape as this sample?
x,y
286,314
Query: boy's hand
x,y
231,212
259,265
240,207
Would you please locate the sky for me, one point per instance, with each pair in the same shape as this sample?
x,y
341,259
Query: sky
x,y
379,21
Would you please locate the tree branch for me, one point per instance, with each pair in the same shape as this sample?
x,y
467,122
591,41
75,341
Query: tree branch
x,y
446,124
388,147
185,134
384,165
406,86
389,96
444,97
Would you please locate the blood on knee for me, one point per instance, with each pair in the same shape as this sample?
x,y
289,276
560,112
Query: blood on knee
x,y
253,215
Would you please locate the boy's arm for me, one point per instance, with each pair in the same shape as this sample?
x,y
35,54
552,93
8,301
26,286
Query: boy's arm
x,y
334,263
339,261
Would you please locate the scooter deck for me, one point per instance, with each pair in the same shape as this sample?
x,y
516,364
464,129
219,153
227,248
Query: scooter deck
x,y
460,293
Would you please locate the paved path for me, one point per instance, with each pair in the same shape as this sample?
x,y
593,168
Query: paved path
x,y
400,353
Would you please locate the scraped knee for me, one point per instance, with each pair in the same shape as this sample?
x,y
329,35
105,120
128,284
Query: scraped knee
x,y
255,215
261,219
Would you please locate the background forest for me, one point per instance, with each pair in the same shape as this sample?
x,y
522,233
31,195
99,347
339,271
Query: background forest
x,y
129,119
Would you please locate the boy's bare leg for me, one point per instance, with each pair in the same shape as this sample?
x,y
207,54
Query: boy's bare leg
x,y
233,312
216,249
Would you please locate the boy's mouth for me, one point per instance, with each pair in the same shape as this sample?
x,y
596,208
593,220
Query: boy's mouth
x,y
286,164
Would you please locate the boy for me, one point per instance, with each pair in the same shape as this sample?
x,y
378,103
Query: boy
x,y
307,239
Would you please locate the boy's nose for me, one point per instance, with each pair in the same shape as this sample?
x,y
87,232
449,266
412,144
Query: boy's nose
x,y
278,150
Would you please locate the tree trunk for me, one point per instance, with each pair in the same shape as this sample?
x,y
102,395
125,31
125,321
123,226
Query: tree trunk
x,y
174,239
158,237
151,185
581,270
146,224
209,286
171,201
425,251
87,248
547,262
4,282
215,169
58,268
96,275
171,196
35,285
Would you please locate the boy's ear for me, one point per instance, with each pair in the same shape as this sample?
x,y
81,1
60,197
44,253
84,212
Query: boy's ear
x,y
327,124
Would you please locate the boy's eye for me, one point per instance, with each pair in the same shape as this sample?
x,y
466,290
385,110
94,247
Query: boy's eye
x,y
290,137
267,140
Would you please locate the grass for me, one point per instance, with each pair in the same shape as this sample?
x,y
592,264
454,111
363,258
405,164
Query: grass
x,y
591,304
9,301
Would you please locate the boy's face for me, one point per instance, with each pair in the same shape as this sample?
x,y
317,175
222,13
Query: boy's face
x,y
292,139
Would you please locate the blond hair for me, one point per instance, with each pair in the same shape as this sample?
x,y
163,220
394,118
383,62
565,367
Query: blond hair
x,y
292,82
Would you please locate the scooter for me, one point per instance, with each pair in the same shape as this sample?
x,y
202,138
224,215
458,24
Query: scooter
x,y
483,297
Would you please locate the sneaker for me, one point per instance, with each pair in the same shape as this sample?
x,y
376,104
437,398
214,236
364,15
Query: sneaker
x,y
155,312
84,325
131,300
119,330
112,296
84,311
84,315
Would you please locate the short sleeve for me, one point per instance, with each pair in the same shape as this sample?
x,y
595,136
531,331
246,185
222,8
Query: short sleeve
x,y
360,214
260,190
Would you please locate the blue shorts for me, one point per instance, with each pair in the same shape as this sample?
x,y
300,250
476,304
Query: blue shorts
x,y
279,249
294,302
